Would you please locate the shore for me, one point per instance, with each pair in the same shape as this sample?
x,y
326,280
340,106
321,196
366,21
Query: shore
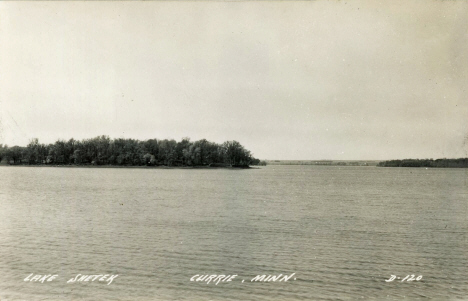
x,y
130,166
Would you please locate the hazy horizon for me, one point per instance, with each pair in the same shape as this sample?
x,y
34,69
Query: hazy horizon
x,y
267,159
291,80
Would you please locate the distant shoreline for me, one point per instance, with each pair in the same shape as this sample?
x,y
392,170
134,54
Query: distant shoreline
x,y
428,163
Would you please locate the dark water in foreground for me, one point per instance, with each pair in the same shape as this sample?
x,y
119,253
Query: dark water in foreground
x,y
343,231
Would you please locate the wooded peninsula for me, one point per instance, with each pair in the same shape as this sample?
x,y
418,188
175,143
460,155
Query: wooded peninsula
x,y
103,150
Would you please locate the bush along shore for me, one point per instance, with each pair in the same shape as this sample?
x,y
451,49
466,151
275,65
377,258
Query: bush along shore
x,y
104,151
438,163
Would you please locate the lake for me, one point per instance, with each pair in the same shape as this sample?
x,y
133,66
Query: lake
x,y
343,231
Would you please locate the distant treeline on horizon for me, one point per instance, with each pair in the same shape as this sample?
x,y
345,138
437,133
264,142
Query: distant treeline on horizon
x,y
103,150
438,163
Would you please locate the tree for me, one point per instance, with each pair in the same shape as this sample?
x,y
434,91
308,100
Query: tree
x,y
3,151
77,156
32,151
236,154
15,154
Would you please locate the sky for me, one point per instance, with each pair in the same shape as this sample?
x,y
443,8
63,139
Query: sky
x,y
360,80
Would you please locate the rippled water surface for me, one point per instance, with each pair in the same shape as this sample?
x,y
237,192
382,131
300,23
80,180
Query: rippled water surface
x,y
343,231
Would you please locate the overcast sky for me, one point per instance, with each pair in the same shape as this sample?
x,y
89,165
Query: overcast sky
x,y
288,80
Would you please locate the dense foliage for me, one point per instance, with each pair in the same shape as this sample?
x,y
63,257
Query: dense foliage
x,y
105,151
452,163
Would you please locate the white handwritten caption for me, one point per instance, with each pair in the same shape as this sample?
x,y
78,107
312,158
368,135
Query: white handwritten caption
x,y
78,278
216,279
408,278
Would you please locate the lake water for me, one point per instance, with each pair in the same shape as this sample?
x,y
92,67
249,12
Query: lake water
x,y
342,230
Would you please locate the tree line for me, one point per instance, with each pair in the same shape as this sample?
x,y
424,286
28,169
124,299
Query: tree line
x,y
449,163
103,150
